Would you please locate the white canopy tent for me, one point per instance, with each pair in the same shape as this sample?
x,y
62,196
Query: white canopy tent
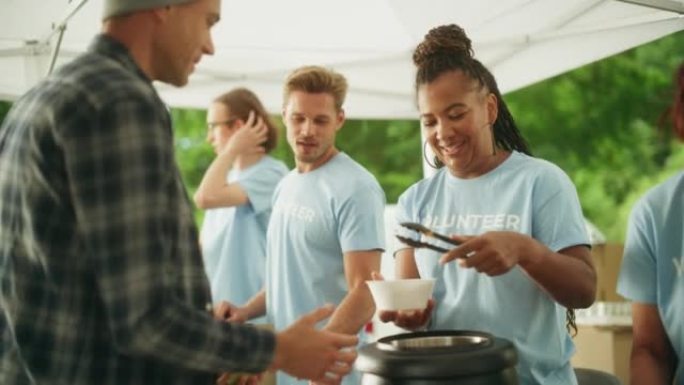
x,y
259,41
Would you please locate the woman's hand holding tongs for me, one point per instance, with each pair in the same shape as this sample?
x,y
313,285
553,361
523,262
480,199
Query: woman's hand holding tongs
x,y
492,253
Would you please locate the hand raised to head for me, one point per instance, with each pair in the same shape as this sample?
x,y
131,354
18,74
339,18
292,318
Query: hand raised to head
x,y
248,138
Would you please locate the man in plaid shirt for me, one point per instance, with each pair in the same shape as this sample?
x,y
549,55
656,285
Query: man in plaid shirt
x,y
101,277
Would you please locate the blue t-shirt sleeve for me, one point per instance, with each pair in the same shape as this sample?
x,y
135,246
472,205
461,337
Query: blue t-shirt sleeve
x,y
259,185
558,221
402,213
638,273
361,220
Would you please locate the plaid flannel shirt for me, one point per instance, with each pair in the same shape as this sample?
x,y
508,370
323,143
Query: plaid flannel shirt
x,y
100,270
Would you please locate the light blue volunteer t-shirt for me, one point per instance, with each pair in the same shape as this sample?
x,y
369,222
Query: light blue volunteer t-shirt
x,y
525,195
317,217
653,263
234,238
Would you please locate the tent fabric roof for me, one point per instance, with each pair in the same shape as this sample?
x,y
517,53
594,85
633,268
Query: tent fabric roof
x,y
370,41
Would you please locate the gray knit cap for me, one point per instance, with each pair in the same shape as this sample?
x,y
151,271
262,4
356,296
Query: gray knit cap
x,y
121,7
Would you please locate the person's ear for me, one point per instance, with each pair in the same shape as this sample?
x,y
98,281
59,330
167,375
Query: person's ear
x,y
237,124
492,108
340,118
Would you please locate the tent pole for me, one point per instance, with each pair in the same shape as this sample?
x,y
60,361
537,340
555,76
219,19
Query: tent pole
x,y
55,50
60,28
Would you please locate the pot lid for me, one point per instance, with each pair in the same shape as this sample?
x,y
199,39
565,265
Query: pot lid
x,y
436,354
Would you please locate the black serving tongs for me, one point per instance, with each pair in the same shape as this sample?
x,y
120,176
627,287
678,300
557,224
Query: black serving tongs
x,y
424,232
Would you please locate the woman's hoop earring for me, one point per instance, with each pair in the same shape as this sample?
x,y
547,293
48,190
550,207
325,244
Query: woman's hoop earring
x,y
491,130
431,164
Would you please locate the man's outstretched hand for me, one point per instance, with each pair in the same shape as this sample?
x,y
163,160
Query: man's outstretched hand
x,y
305,352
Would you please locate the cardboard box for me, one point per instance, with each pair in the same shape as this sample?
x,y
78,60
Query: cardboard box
x,y
607,259
606,348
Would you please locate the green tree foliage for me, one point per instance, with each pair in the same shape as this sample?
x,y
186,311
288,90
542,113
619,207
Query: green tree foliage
x,y
4,109
390,150
601,124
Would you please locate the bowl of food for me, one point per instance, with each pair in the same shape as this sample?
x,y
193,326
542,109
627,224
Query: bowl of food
x,y
401,294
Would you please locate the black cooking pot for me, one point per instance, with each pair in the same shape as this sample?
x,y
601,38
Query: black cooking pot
x,y
438,358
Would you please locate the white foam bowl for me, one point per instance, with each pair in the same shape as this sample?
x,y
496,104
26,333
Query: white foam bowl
x,y
401,294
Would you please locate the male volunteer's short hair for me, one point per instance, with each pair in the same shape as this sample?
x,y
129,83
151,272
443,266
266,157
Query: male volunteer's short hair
x,y
316,80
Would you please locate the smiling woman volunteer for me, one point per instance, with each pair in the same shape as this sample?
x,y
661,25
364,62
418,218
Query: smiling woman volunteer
x,y
528,256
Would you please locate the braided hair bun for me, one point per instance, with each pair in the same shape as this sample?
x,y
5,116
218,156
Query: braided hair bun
x,y
445,40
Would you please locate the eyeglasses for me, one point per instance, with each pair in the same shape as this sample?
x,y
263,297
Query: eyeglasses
x,y
228,122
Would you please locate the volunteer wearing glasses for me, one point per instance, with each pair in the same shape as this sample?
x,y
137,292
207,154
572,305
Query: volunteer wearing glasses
x,y
236,191
211,125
